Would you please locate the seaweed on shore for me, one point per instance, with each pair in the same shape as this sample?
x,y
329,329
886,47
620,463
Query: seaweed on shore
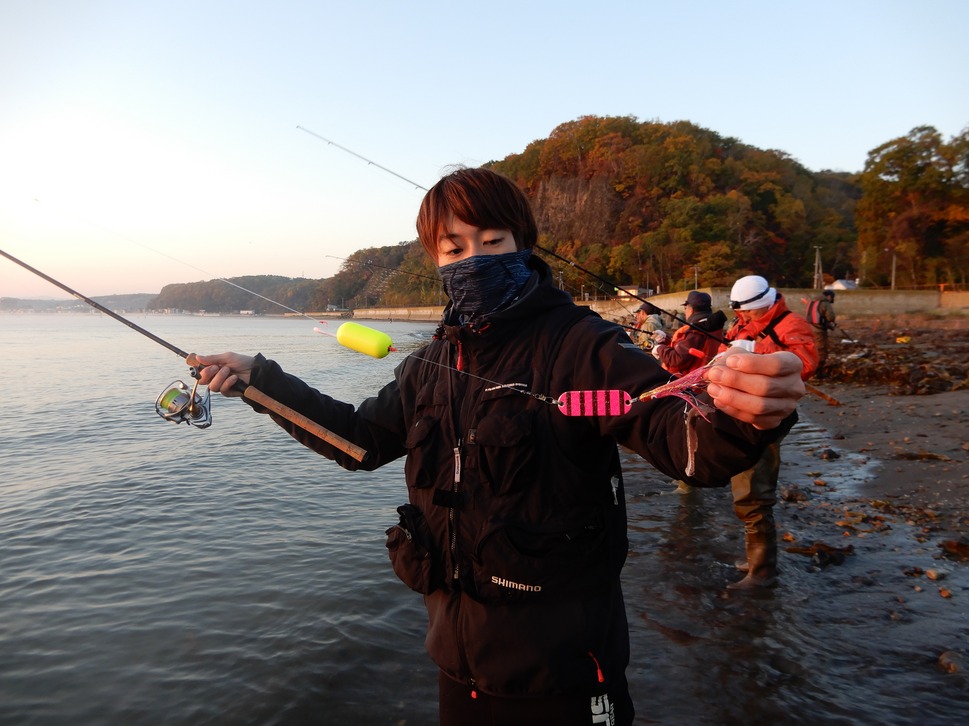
x,y
910,361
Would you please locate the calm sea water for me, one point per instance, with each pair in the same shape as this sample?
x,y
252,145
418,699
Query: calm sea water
x,y
157,573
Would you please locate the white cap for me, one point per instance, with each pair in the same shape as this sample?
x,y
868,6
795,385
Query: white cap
x,y
752,293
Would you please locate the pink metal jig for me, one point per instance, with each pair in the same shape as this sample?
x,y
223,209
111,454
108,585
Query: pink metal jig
x,y
594,403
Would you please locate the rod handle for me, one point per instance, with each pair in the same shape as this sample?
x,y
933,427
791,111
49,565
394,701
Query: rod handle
x,y
831,401
305,423
294,417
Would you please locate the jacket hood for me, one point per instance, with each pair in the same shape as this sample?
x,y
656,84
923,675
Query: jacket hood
x,y
708,320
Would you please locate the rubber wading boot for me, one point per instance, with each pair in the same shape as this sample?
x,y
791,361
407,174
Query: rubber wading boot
x,y
761,566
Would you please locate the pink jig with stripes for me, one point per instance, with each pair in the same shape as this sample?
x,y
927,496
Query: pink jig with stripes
x,y
594,403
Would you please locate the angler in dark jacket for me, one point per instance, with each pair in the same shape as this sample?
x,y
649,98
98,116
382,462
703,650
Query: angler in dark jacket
x,y
702,334
820,313
515,528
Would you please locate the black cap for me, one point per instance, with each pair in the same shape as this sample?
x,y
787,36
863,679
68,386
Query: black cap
x,y
699,300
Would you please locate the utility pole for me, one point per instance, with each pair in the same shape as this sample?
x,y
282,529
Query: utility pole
x,y
818,274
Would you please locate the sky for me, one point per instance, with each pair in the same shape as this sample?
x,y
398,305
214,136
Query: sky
x,y
143,144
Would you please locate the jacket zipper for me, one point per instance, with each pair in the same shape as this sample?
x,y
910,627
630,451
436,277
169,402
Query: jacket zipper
x,y
452,525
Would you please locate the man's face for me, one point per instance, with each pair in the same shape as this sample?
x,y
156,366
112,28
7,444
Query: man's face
x,y
462,240
747,316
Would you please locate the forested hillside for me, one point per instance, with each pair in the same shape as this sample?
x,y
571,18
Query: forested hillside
x,y
664,205
670,206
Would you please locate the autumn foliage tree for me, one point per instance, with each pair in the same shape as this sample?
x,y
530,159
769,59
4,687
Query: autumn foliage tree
x,y
667,205
913,218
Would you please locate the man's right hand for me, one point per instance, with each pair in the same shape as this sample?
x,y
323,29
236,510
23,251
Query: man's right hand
x,y
221,372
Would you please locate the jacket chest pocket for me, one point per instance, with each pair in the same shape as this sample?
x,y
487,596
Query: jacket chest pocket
x,y
425,452
428,443
503,445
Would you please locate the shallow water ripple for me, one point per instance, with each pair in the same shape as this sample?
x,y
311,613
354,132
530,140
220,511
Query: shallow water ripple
x,y
152,573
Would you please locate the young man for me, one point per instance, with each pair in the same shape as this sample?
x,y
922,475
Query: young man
x,y
515,529
648,323
764,320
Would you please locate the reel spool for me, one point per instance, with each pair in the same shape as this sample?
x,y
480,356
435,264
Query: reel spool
x,y
177,404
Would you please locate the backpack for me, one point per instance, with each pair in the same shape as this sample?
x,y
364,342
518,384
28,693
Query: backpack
x,y
814,316
813,312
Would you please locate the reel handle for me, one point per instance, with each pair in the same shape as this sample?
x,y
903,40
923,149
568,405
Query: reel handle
x,y
295,417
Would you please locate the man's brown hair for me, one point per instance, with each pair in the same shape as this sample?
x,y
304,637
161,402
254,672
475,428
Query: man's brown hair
x,y
479,197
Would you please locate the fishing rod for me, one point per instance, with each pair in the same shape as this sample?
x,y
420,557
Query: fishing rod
x,y
844,332
178,405
719,338
371,263
611,285
364,158
834,326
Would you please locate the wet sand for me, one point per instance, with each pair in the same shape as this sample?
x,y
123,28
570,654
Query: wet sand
x,y
870,620
875,518
920,446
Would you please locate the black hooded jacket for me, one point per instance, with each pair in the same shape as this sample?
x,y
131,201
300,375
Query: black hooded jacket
x,y
515,528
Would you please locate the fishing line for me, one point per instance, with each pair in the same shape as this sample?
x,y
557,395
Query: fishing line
x,y
612,286
650,305
176,404
647,303
189,264
602,402
570,263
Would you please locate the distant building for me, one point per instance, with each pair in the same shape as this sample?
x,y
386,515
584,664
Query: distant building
x,y
632,292
842,285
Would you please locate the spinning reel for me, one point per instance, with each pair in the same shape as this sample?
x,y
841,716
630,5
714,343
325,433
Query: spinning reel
x,y
177,404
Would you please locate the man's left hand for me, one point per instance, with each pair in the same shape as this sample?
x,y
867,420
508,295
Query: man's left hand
x,y
761,390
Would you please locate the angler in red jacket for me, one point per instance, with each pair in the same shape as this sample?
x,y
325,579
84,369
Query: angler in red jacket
x,y
678,356
767,325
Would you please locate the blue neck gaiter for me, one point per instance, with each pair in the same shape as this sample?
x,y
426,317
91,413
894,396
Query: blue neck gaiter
x,y
485,284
